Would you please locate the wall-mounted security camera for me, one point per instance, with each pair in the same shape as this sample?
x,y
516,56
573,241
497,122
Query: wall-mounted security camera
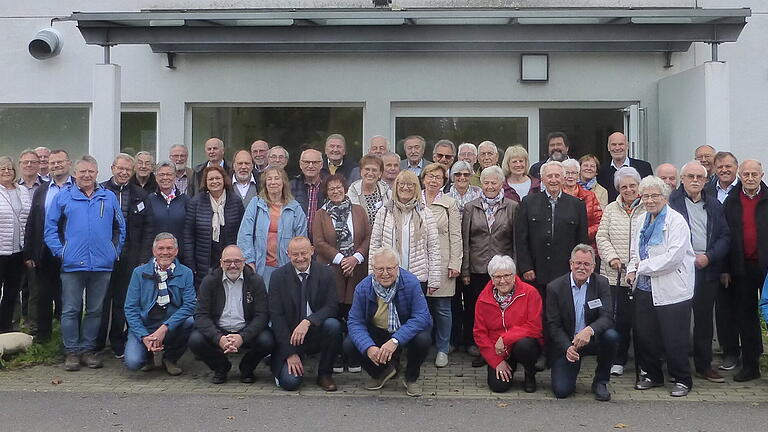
x,y
46,44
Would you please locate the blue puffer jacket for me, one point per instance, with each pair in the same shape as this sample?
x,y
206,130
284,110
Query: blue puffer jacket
x,y
87,234
411,309
252,237
142,296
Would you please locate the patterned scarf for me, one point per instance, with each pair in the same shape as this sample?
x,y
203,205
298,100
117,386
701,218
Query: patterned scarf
x,y
339,213
504,300
398,209
589,184
490,205
629,207
217,221
168,198
387,295
163,296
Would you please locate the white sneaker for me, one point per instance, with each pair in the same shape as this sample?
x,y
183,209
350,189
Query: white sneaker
x,y
441,360
617,370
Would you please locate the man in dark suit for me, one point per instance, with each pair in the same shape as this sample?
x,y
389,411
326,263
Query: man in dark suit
x,y
336,160
618,148
302,307
580,322
36,252
214,151
549,225
231,316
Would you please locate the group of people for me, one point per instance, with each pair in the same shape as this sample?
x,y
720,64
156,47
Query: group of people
x,y
524,265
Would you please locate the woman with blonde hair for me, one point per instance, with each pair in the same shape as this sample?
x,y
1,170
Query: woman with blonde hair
x,y
517,183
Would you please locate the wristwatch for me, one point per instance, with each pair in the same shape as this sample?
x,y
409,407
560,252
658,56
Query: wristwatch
x,y
396,342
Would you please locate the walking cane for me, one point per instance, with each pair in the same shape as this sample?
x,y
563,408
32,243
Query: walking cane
x,y
630,296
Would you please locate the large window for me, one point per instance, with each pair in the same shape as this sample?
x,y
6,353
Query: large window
x,y
294,128
503,131
54,127
138,132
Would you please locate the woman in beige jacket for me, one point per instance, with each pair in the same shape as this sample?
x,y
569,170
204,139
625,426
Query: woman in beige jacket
x,y
620,219
448,220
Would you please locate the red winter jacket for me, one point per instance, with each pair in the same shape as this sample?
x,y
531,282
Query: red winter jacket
x,y
594,211
520,320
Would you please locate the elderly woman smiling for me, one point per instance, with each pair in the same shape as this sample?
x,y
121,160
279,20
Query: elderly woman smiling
x,y
461,190
661,269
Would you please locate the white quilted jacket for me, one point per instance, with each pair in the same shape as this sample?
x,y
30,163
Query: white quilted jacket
x,y
8,219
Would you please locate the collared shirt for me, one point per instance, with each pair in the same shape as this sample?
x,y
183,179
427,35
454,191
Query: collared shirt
x,y
182,182
332,167
243,188
697,221
416,169
625,164
232,316
579,298
168,198
54,189
754,195
45,178
552,205
722,194
298,274
312,191
33,187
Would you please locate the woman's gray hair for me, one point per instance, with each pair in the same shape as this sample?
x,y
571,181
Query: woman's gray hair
x,y
625,172
165,236
571,163
654,182
385,252
460,166
581,247
490,171
164,164
501,262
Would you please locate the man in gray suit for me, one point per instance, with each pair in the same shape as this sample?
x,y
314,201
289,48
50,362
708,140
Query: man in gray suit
x,y
414,147
243,182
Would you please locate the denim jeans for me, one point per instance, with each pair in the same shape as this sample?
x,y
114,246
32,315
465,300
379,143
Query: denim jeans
x,y
175,343
440,307
564,372
81,337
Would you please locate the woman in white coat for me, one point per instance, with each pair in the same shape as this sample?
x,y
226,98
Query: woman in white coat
x,y
662,273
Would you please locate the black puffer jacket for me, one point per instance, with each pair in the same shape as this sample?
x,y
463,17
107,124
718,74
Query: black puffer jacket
x,y
138,222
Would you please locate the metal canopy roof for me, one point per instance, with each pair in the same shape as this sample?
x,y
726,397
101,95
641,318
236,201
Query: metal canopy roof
x,y
413,30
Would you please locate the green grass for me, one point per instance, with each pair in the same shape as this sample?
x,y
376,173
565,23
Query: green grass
x,y
48,353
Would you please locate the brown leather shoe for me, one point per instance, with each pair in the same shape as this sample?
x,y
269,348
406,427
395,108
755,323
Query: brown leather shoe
x,y
711,375
326,383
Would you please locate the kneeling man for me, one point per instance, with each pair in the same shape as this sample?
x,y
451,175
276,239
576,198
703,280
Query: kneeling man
x,y
302,307
158,308
580,322
389,313
231,316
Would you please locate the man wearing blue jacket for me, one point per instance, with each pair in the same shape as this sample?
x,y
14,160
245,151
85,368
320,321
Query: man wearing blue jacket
x,y
389,313
84,227
158,308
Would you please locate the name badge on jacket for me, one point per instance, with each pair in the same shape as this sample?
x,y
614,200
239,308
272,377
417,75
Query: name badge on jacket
x,y
248,297
594,304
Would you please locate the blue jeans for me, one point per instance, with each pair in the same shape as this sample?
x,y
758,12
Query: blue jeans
x,y
175,343
440,307
83,337
564,372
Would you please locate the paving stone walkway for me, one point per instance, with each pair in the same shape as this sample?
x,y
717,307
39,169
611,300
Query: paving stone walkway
x,y
458,380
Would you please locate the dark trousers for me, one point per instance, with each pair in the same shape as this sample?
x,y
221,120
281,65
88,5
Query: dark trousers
x,y
457,310
746,289
418,347
11,267
477,282
564,372
704,294
113,325
325,340
525,351
663,331
48,294
255,348
725,315
622,318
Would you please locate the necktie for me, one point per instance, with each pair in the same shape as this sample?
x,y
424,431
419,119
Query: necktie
x,y
303,303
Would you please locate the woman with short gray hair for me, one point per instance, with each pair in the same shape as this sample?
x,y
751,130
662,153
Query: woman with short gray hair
x,y
661,270
621,219
461,190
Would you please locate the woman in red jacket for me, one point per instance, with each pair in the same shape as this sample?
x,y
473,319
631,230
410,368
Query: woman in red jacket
x,y
508,326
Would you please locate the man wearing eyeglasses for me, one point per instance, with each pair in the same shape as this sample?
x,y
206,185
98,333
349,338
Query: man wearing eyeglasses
x,y
579,317
711,240
444,153
231,317
306,187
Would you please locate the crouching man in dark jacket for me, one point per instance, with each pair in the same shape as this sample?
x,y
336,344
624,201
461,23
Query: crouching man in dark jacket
x,y
231,316
159,307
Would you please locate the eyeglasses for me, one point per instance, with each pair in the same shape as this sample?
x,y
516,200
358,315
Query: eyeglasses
x,y
501,277
433,177
694,177
306,162
655,197
7,169
582,264
382,270
406,185
462,174
467,154
29,162
232,261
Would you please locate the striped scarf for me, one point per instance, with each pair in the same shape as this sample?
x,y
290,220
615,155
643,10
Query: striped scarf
x,y
387,295
163,296
490,205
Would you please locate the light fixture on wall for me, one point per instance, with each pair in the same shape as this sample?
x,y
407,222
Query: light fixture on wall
x,y
534,67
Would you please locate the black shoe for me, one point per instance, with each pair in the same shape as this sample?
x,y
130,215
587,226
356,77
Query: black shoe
x,y
478,361
647,383
338,365
601,391
219,376
529,385
247,378
746,374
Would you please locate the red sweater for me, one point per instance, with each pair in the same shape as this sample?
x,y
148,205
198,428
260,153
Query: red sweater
x,y
749,206
520,320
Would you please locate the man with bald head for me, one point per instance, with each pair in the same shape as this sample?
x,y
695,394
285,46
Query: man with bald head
x,y
746,210
705,154
306,187
618,147
668,173
214,152
377,146
259,151
710,238
232,317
